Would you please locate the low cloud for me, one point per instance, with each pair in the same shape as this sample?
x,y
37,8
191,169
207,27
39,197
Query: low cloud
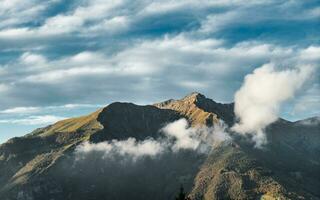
x,y
186,138
199,138
258,100
177,136
130,147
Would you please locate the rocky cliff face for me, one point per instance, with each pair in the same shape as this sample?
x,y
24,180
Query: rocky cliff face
x,y
43,164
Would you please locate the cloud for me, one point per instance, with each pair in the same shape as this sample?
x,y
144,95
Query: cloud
x,y
130,147
32,59
96,18
33,120
315,121
178,135
257,13
55,52
17,12
180,62
308,102
311,54
31,109
3,87
199,138
258,100
185,136
20,110
92,12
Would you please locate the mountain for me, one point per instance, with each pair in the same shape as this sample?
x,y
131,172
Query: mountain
x,y
44,164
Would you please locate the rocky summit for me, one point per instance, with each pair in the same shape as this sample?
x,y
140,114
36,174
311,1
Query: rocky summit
x,y
45,164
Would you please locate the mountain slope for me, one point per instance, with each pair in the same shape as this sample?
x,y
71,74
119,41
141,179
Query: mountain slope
x,y
44,163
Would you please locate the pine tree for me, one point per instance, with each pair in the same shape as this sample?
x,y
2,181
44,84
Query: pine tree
x,y
182,194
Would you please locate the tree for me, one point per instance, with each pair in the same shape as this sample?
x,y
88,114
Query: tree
x,y
182,195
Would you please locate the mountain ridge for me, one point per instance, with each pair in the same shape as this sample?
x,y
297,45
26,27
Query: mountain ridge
x,y
38,165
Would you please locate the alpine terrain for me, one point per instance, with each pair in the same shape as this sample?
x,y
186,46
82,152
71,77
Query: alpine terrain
x,y
88,157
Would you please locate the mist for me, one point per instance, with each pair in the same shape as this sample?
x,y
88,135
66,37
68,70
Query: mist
x,y
176,136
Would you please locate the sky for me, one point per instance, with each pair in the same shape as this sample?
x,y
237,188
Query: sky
x,y
61,59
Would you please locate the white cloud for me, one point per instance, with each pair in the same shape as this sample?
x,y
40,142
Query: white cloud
x,y
98,17
185,136
86,12
33,60
61,24
180,62
20,110
216,22
33,120
59,75
199,139
258,100
16,12
130,147
110,26
312,53
32,109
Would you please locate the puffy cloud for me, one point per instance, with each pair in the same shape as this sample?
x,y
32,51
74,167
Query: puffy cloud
x,y
258,100
185,138
200,138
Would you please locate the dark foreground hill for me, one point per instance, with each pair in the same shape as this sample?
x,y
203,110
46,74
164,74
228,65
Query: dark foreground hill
x,y
44,163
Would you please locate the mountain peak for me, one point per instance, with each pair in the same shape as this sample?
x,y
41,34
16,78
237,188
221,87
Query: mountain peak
x,y
231,171
194,96
188,106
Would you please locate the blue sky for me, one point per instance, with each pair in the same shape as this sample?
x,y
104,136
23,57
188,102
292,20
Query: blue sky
x,y
61,59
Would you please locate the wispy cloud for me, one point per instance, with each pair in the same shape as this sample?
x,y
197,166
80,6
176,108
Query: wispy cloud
x,y
33,120
20,110
29,110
